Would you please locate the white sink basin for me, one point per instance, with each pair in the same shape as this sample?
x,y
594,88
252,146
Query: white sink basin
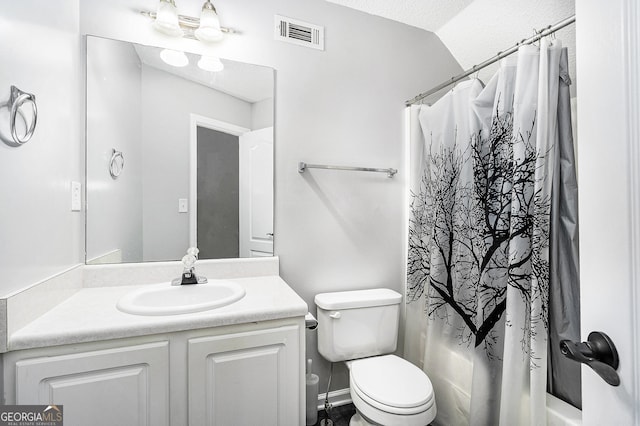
x,y
165,299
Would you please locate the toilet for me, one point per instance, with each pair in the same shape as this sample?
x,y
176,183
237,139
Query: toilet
x,y
361,328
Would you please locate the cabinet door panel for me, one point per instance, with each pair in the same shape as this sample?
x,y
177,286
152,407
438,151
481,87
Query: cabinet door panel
x,y
245,379
116,386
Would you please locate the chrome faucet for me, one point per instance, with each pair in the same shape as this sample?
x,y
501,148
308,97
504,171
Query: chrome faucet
x,y
189,272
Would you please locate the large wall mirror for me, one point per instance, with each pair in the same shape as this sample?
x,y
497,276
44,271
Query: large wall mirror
x,y
177,155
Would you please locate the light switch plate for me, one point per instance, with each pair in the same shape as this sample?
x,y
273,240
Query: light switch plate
x,y
183,205
76,196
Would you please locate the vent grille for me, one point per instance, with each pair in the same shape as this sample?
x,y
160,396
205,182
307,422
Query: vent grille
x,y
300,33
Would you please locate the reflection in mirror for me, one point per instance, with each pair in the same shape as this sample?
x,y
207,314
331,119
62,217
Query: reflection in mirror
x,y
195,156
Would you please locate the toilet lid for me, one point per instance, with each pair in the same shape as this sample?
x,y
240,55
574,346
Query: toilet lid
x,y
392,381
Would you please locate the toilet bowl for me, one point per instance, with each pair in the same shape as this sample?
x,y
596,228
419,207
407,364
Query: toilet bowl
x,y
360,328
388,390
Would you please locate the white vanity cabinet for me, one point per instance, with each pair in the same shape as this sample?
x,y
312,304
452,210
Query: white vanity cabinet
x,y
117,386
247,378
245,374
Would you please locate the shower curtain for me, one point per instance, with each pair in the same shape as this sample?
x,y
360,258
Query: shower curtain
x,y
478,267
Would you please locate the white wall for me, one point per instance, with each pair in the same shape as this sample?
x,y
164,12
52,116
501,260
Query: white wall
x,y
344,105
262,114
333,230
167,102
41,53
114,206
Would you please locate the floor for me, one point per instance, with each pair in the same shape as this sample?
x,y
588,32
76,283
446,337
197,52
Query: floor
x,y
340,415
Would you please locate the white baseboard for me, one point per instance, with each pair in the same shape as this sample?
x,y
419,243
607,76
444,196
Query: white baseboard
x,y
336,398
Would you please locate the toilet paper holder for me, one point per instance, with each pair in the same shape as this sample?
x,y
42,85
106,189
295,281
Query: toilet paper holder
x,y
311,323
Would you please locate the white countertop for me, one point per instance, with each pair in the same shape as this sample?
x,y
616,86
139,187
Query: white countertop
x,y
91,315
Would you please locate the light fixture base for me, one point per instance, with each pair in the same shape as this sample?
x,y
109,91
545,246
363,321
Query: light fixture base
x,y
188,24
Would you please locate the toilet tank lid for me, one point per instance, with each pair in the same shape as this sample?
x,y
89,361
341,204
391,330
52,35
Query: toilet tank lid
x,y
357,299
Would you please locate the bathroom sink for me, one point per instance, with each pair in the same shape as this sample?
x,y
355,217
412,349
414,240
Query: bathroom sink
x,y
165,299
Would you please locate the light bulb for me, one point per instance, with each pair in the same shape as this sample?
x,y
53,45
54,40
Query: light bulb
x,y
174,58
209,29
210,63
167,19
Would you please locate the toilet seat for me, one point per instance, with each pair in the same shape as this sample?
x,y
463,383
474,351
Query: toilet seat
x,y
391,384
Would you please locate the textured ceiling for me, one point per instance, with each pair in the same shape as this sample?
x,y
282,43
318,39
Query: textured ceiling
x,y
476,30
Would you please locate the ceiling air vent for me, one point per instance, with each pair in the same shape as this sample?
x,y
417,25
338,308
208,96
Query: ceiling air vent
x,y
300,33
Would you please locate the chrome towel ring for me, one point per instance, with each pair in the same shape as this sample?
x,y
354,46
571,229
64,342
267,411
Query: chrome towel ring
x,y
116,163
16,100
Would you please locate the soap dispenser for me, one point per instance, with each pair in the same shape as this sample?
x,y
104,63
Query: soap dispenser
x,y
312,395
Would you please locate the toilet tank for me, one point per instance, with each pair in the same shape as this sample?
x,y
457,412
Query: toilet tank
x,y
357,324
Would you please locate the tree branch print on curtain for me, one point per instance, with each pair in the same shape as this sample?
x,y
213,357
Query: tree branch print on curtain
x,y
479,224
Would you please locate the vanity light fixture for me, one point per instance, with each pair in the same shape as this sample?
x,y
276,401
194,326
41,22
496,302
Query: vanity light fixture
x,y
166,20
210,63
209,30
174,58
206,28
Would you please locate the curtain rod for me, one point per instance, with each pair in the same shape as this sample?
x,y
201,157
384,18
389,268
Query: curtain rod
x,y
539,34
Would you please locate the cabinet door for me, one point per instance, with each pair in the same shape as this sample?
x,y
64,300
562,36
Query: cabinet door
x,y
120,386
250,378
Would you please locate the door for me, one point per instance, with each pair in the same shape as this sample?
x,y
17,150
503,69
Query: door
x,y
196,122
608,75
256,193
217,194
